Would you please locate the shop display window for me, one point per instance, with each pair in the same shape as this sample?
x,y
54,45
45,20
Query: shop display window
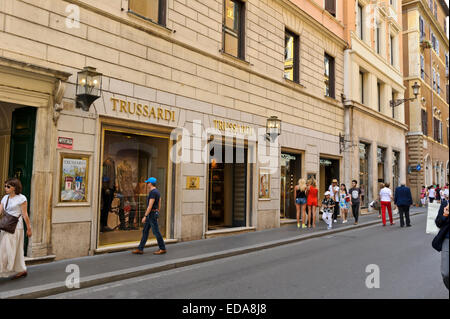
x,y
128,160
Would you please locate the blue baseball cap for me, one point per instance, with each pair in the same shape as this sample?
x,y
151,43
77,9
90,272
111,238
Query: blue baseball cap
x,y
151,180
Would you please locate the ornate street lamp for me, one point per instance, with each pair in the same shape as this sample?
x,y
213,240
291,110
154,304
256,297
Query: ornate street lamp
x,y
273,128
415,87
89,87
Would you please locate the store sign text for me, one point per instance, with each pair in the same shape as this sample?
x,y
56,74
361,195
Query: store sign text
x,y
232,127
142,110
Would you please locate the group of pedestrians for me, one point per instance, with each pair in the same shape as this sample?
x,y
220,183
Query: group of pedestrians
x,y
337,201
13,214
433,193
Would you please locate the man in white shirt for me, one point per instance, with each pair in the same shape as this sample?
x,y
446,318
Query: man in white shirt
x,y
334,194
385,200
431,194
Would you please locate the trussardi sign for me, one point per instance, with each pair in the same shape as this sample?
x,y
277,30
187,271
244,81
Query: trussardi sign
x,y
142,110
225,126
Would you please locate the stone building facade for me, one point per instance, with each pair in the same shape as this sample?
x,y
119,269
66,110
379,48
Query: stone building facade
x,y
374,141
167,77
426,56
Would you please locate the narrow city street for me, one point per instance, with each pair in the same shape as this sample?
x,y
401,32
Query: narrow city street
x,y
326,267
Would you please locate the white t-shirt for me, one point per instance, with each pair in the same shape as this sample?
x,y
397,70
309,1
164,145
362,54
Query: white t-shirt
x,y
385,194
334,192
14,207
432,193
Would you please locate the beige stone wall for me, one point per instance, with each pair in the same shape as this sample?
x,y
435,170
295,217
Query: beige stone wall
x,y
35,31
71,240
180,68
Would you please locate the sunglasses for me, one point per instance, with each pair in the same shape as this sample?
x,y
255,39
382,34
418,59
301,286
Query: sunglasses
x,y
8,186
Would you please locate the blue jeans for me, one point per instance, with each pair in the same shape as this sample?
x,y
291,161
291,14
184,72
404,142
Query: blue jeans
x,y
151,221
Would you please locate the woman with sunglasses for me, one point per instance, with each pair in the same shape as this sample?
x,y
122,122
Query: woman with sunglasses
x,y
12,260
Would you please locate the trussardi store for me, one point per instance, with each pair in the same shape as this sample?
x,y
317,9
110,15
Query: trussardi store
x,y
211,185
133,144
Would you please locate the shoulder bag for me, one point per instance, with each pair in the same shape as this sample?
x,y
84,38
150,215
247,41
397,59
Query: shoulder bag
x,y
8,223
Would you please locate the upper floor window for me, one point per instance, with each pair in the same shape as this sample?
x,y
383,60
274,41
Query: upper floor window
x,y
360,22
392,49
379,96
233,28
435,10
422,28
291,57
433,41
154,10
361,86
378,38
438,84
437,130
434,79
446,64
424,122
422,67
329,77
437,46
330,6
394,95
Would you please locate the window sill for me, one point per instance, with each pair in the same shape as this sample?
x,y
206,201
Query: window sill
x,y
331,98
234,59
293,83
139,17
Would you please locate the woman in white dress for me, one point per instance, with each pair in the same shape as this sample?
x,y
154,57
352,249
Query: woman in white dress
x,y
12,260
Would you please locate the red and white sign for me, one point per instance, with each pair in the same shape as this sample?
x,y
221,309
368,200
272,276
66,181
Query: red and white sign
x,y
65,142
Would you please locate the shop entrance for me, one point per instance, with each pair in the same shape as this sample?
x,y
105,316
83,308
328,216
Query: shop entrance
x,y
291,172
329,170
364,151
17,130
129,158
227,191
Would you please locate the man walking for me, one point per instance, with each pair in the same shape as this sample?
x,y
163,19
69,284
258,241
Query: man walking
x,y
403,200
150,220
334,193
356,199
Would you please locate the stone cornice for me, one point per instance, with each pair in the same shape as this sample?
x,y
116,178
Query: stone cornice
x,y
378,116
34,69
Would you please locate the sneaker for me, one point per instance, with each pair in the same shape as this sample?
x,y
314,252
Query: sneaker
x,y
304,226
344,222
335,221
298,225
329,227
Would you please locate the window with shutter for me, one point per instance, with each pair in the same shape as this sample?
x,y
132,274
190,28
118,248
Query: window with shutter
x,y
424,122
154,10
330,6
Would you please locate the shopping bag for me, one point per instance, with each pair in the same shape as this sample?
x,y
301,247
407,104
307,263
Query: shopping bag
x,y
433,209
113,220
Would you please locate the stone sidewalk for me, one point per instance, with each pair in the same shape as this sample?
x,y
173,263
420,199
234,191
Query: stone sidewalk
x,y
48,279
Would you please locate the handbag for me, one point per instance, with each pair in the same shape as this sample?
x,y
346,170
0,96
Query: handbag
x,y
8,223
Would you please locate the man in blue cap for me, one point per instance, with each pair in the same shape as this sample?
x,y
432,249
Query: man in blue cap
x,y
151,219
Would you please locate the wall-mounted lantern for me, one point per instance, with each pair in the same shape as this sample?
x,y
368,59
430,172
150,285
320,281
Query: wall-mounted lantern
x,y
415,87
89,87
273,128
